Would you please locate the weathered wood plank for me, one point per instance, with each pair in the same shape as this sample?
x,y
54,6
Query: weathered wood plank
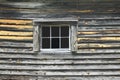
x,y
73,38
98,50
15,44
73,4
98,35
59,67
16,37
99,16
100,38
99,22
81,78
16,50
23,5
116,31
17,73
109,55
51,15
36,39
59,62
17,26
96,28
17,21
12,33
60,74
81,73
98,45
53,10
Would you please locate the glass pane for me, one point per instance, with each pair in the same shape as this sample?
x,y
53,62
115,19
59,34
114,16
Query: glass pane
x,y
46,43
55,31
45,31
55,42
65,31
64,42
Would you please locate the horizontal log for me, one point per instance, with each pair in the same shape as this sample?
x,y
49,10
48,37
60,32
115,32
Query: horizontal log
x,y
17,26
98,45
15,38
98,41
82,73
98,50
58,10
99,38
56,3
15,44
16,50
81,78
97,35
60,62
44,14
109,55
90,28
97,28
71,1
24,5
99,16
11,33
99,22
60,74
59,67
12,21
117,31
16,73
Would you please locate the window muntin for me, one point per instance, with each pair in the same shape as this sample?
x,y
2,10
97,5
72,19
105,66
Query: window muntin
x,y
55,37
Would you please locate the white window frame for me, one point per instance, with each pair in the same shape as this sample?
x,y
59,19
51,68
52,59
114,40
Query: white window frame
x,y
50,50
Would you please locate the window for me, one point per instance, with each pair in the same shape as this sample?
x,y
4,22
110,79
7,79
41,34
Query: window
x,y
55,37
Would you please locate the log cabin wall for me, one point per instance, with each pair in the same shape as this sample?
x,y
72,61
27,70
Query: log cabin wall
x,y
99,35
98,41
16,35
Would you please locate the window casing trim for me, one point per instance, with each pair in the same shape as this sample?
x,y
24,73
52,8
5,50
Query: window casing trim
x,y
73,29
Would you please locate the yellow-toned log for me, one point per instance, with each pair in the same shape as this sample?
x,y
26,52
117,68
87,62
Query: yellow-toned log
x,y
10,21
15,38
97,45
87,32
17,26
5,33
98,32
102,38
81,11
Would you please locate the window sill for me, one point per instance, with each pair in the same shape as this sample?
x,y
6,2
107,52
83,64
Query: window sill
x,y
55,51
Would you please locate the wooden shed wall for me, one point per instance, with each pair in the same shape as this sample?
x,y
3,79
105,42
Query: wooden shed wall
x,y
98,43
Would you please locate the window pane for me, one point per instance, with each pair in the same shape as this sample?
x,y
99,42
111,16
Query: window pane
x,y
45,31
55,42
65,31
64,42
55,31
46,43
